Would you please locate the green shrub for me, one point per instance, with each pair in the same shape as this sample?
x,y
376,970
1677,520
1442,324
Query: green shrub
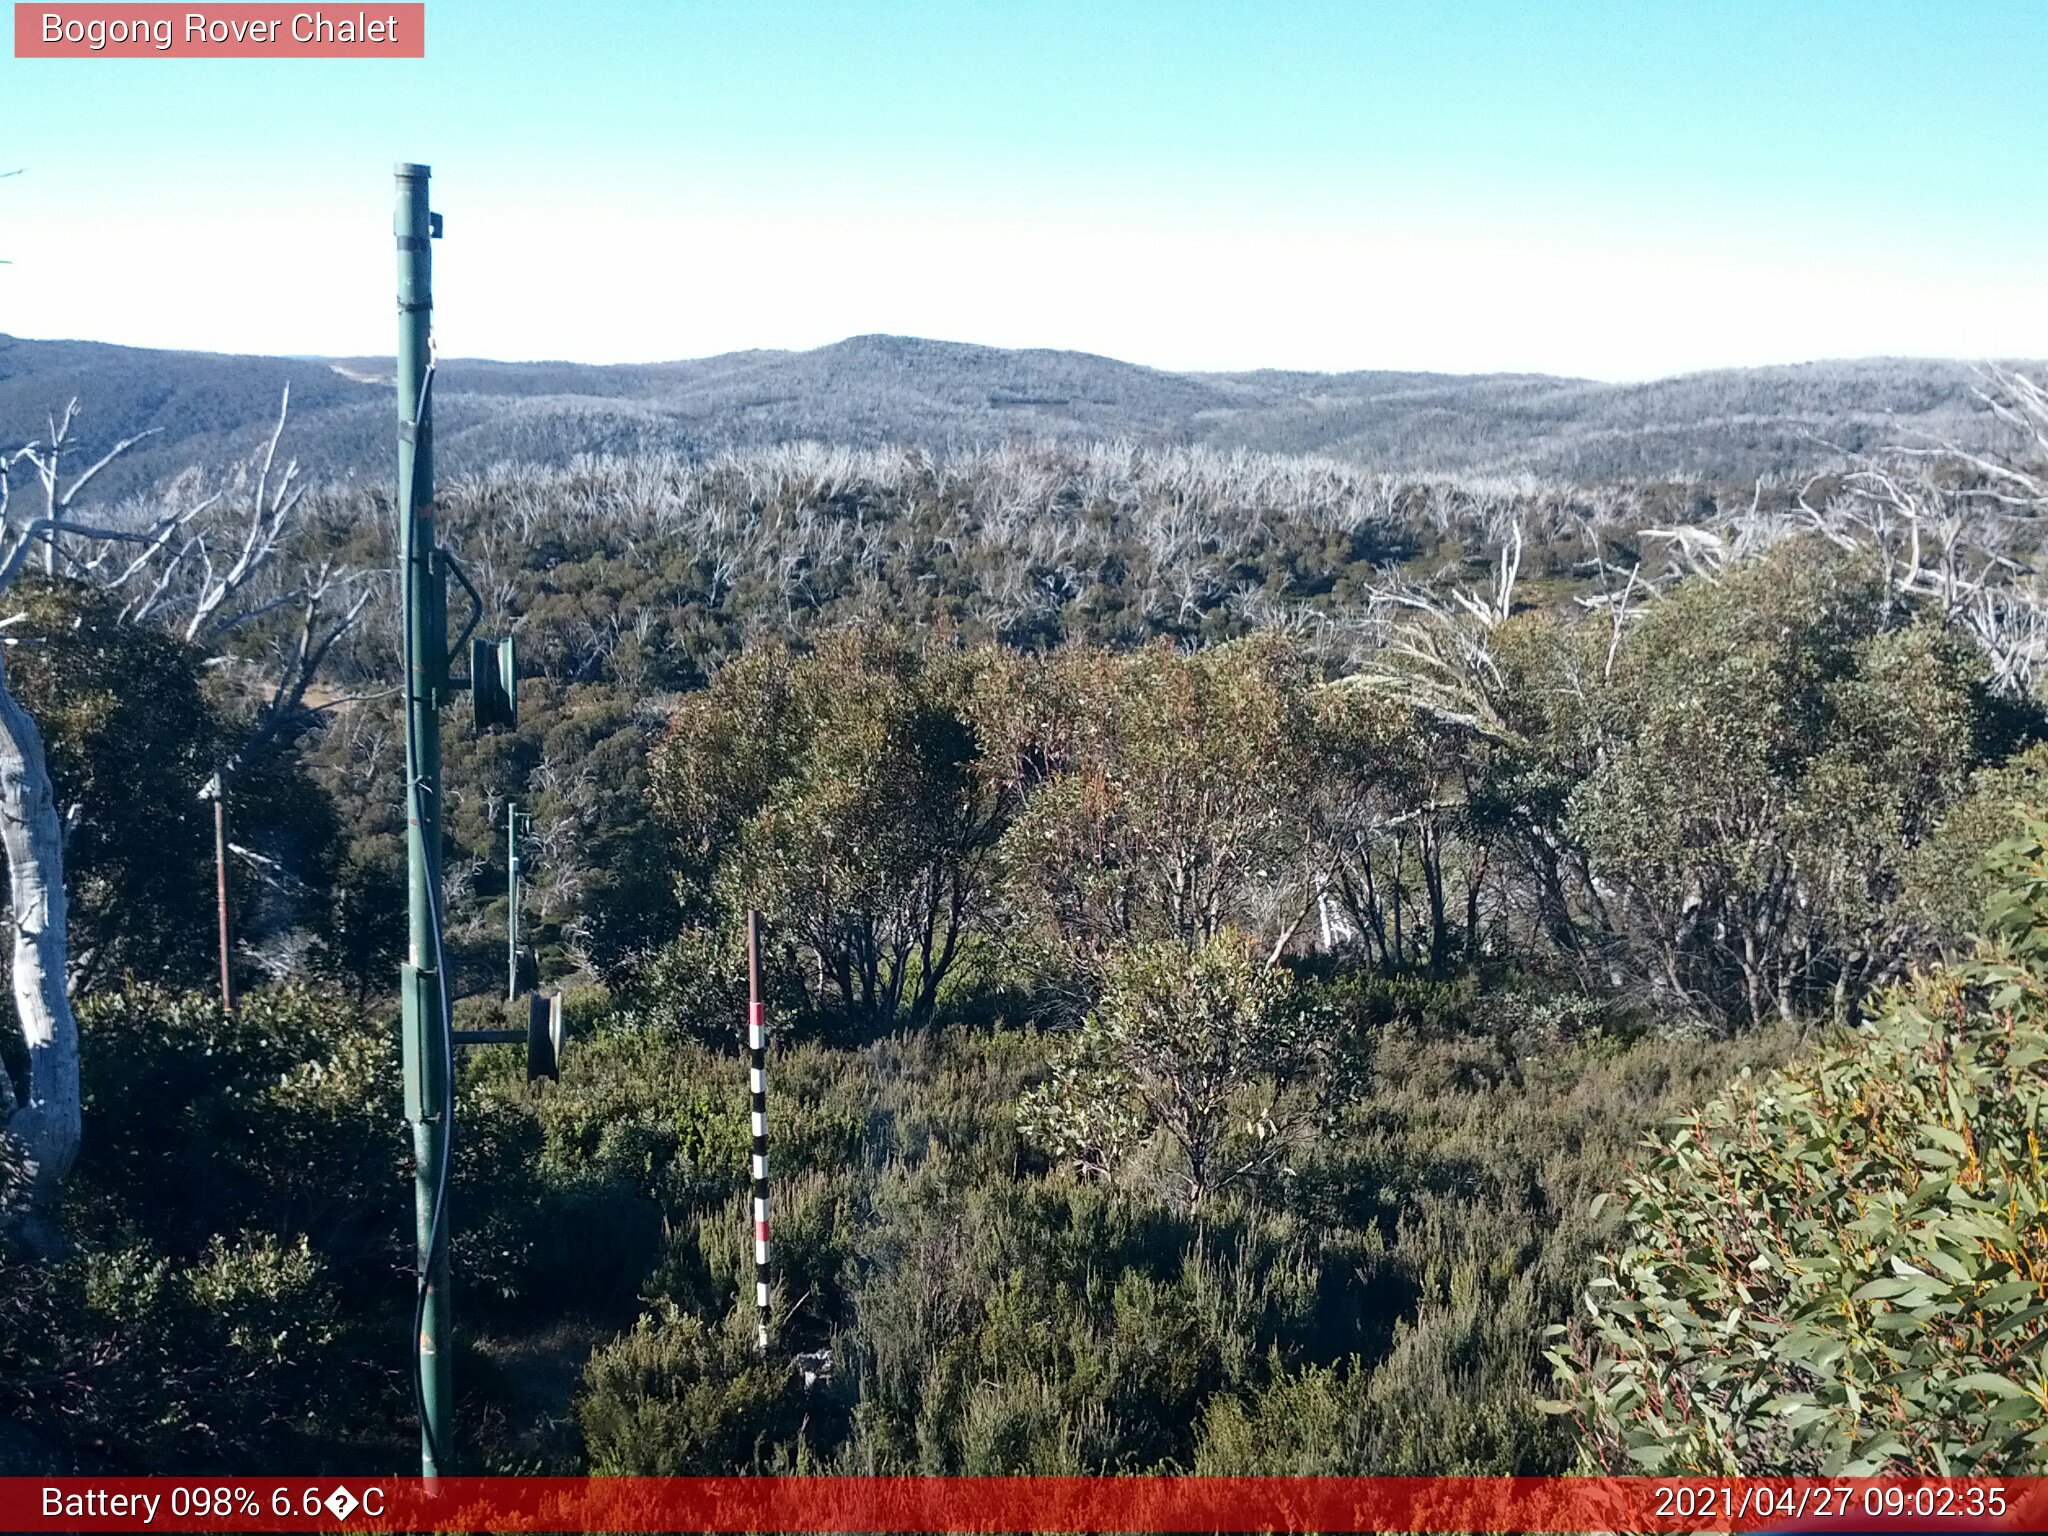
x,y
678,1396
692,987
234,1237
1066,1325
1194,1047
1951,876
1842,1267
281,1117
123,1358
1310,1423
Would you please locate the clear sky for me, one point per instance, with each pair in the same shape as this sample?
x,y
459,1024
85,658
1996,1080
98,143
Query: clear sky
x,y
1620,190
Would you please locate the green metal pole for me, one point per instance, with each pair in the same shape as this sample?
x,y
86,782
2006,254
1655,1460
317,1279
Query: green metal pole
x,y
425,598
512,902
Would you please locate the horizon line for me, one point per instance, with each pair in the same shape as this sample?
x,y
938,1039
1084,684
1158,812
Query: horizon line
x,y
1957,359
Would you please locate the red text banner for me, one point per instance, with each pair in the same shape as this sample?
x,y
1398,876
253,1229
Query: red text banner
x,y
236,31
1136,1504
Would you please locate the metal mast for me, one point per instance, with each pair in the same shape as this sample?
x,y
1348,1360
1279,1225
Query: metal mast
x,y
427,1027
425,1024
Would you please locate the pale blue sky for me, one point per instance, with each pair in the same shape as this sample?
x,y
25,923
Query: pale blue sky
x,y
1619,190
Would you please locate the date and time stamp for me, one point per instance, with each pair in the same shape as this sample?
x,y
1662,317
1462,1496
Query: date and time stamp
x,y
1748,1505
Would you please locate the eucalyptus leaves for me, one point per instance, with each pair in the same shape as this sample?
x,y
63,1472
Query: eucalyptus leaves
x,y
1842,1267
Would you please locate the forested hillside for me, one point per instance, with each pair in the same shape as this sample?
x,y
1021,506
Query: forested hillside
x,y
874,391
1230,917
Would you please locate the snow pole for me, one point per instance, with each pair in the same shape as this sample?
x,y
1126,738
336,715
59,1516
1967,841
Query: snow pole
x,y
757,1083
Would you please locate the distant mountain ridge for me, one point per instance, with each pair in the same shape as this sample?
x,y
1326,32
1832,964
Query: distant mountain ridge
x,y
870,390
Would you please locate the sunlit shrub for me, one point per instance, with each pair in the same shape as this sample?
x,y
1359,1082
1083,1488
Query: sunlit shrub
x,y
1837,1268
679,1396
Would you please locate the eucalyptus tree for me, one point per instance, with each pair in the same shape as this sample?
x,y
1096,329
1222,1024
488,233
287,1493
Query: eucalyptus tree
x,y
855,795
1708,790
1171,796
46,1121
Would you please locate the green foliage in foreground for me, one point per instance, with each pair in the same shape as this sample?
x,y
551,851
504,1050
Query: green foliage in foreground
x,y
1842,1267
697,1397
228,1282
1376,1308
221,1291
236,1284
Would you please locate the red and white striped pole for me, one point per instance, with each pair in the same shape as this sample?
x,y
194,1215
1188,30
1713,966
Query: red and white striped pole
x,y
757,1082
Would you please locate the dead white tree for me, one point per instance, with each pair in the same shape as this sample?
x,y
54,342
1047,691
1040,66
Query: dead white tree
x,y
1437,654
46,457
204,566
1955,531
225,572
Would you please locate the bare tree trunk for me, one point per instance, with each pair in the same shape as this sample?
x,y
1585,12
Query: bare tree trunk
x,y
47,1122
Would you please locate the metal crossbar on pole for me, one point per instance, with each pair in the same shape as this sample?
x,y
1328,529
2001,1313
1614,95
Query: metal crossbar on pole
x,y
757,1082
